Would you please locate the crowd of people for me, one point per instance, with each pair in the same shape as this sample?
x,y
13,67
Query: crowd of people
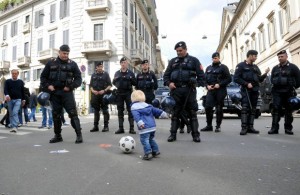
x,y
183,75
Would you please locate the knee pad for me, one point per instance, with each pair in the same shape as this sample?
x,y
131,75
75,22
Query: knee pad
x,y
56,115
73,113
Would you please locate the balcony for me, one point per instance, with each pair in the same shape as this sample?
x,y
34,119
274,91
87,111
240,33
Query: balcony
x,y
26,28
99,47
136,55
4,66
45,55
24,62
97,6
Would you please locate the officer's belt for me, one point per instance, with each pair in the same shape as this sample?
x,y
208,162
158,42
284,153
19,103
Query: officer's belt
x,y
181,85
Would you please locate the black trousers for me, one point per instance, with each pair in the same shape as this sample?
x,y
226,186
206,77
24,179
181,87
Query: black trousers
x,y
97,104
121,99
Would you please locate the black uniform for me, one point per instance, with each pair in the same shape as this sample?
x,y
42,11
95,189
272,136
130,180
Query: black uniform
x,y
186,73
285,79
248,73
124,82
100,81
62,74
147,82
216,73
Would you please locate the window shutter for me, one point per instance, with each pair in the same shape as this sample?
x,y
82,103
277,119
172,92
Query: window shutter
x,y
52,13
36,19
4,32
12,29
34,75
61,10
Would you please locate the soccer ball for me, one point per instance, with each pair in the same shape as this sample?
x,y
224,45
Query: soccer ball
x,y
127,144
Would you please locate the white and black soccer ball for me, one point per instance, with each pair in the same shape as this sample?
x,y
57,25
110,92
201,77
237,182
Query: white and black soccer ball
x,y
127,144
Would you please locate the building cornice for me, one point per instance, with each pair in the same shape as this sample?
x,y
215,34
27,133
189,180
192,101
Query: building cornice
x,y
17,8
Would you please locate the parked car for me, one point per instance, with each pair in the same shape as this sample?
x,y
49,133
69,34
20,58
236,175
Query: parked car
x,y
234,108
162,90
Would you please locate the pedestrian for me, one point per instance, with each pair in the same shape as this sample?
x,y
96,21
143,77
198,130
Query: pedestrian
x,y
6,116
285,78
100,84
124,79
32,106
248,76
46,116
60,77
143,115
24,109
146,81
217,77
14,95
183,74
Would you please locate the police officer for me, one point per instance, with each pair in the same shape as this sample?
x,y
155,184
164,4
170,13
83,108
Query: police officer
x,y
100,83
248,76
183,74
146,82
217,77
285,78
60,77
124,79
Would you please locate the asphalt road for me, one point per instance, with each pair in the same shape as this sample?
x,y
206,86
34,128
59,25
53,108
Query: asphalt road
x,y
223,163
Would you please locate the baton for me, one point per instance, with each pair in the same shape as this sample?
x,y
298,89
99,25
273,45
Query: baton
x,y
247,94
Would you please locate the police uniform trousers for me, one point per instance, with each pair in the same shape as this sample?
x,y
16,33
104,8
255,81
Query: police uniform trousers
x,y
149,96
182,95
280,99
215,98
121,98
97,104
61,99
248,110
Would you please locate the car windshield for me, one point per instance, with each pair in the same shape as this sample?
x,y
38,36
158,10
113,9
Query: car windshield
x,y
160,83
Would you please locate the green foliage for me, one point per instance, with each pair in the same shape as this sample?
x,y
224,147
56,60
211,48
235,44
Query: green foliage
x,y
3,5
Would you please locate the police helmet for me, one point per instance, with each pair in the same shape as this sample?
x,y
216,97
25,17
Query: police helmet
x,y
43,99
109,98
235,97
168,103
294,103
156,103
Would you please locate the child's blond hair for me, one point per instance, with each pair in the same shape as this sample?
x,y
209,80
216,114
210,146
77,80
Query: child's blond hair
x,y
138,96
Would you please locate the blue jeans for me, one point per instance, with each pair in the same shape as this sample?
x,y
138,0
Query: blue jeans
x,y
46,111
25,110
13,108
32,114
148,142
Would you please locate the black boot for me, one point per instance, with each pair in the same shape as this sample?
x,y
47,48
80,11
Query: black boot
x,y
181,131
78,137
244,120
218,129
105,129
288,120
56,138
106,119
173,130
182,123
209,117
195,132
251,123
121,127
95,129
275,122
219,118
131,126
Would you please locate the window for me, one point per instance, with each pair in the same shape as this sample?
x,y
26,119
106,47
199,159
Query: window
x,y
126,36
284,18
98,32
131,13
40,44
147,37
106,66
37,74
3,54
253,41
126,7
39,18
52,13
66,37
52,41
131,41
14,28
27,19
14,53
26,49
272,28
26,76
261,37
4,32
140,26
64,9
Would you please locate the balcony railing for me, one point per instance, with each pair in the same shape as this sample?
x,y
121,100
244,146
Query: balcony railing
x,y
45,55
100,46
136,54
97,5
24,62
4,65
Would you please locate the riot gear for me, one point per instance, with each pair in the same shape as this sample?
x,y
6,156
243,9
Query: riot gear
x,y
294,103
156,103
43,99
167,104
147,82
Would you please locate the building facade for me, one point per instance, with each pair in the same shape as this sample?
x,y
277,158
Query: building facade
x,y
31,32
267,26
